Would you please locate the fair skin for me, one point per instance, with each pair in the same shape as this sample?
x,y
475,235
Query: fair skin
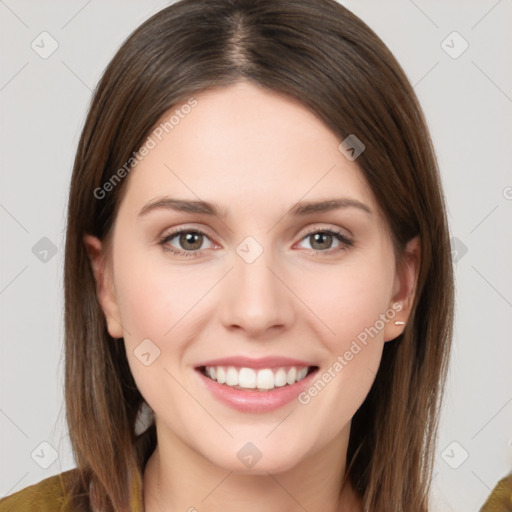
x,y
255,153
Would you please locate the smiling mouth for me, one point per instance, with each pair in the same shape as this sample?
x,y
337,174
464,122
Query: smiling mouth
x,y
261,379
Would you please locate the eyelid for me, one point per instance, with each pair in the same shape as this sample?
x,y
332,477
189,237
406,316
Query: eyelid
x,y
324,227
185,227
166,236
336,231
345,241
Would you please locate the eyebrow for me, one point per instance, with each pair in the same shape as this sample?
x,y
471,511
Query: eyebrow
x,y
204,207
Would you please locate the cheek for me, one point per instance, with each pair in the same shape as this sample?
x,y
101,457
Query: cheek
x,y
160,302
350,297
153,297
351,304
154,301
354,298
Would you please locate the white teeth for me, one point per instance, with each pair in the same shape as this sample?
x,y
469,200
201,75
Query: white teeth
x,y
280,378
302,373
247,378
221,375
291,376
232,377
263,379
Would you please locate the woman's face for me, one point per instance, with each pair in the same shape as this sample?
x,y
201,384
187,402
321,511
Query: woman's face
x,y
255,280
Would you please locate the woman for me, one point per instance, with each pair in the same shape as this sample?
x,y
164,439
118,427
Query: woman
x,y
257,247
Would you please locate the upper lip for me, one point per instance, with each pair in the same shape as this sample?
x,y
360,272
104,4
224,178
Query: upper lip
x,y
262,362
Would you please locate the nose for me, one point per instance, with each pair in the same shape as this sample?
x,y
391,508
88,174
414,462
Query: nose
x,y
257,298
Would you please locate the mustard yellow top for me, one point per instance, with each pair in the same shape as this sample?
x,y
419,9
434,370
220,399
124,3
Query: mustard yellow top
x,y
49,495
500,500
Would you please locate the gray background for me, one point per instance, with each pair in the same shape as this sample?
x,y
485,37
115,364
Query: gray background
x,y
467,101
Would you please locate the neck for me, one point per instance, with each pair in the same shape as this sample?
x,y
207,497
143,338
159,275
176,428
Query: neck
x,y
181,479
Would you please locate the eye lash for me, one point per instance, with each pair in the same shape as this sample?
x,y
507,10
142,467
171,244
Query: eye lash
x,y
188,254
345,242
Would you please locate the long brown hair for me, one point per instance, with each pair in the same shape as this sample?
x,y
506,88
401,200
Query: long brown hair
x,y
323,55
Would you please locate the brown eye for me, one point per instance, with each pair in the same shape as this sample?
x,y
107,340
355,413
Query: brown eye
x,y
322,240
186,242
190,240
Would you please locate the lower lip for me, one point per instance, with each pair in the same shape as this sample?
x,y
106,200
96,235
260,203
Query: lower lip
x,y
256,401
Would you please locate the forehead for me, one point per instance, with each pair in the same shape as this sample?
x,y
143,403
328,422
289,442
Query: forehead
x,y
244,146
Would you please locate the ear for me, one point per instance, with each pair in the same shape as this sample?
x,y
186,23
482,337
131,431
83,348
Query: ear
x,y
404,289
104,285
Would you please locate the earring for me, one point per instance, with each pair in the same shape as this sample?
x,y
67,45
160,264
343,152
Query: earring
x,y
399,322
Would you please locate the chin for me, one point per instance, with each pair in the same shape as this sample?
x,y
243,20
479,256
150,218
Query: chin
x,y
249,461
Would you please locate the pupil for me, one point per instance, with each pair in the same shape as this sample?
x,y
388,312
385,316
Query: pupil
x,y
323,239
188,238
324,236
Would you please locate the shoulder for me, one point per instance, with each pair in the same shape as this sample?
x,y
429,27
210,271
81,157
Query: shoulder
x,y
48,495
